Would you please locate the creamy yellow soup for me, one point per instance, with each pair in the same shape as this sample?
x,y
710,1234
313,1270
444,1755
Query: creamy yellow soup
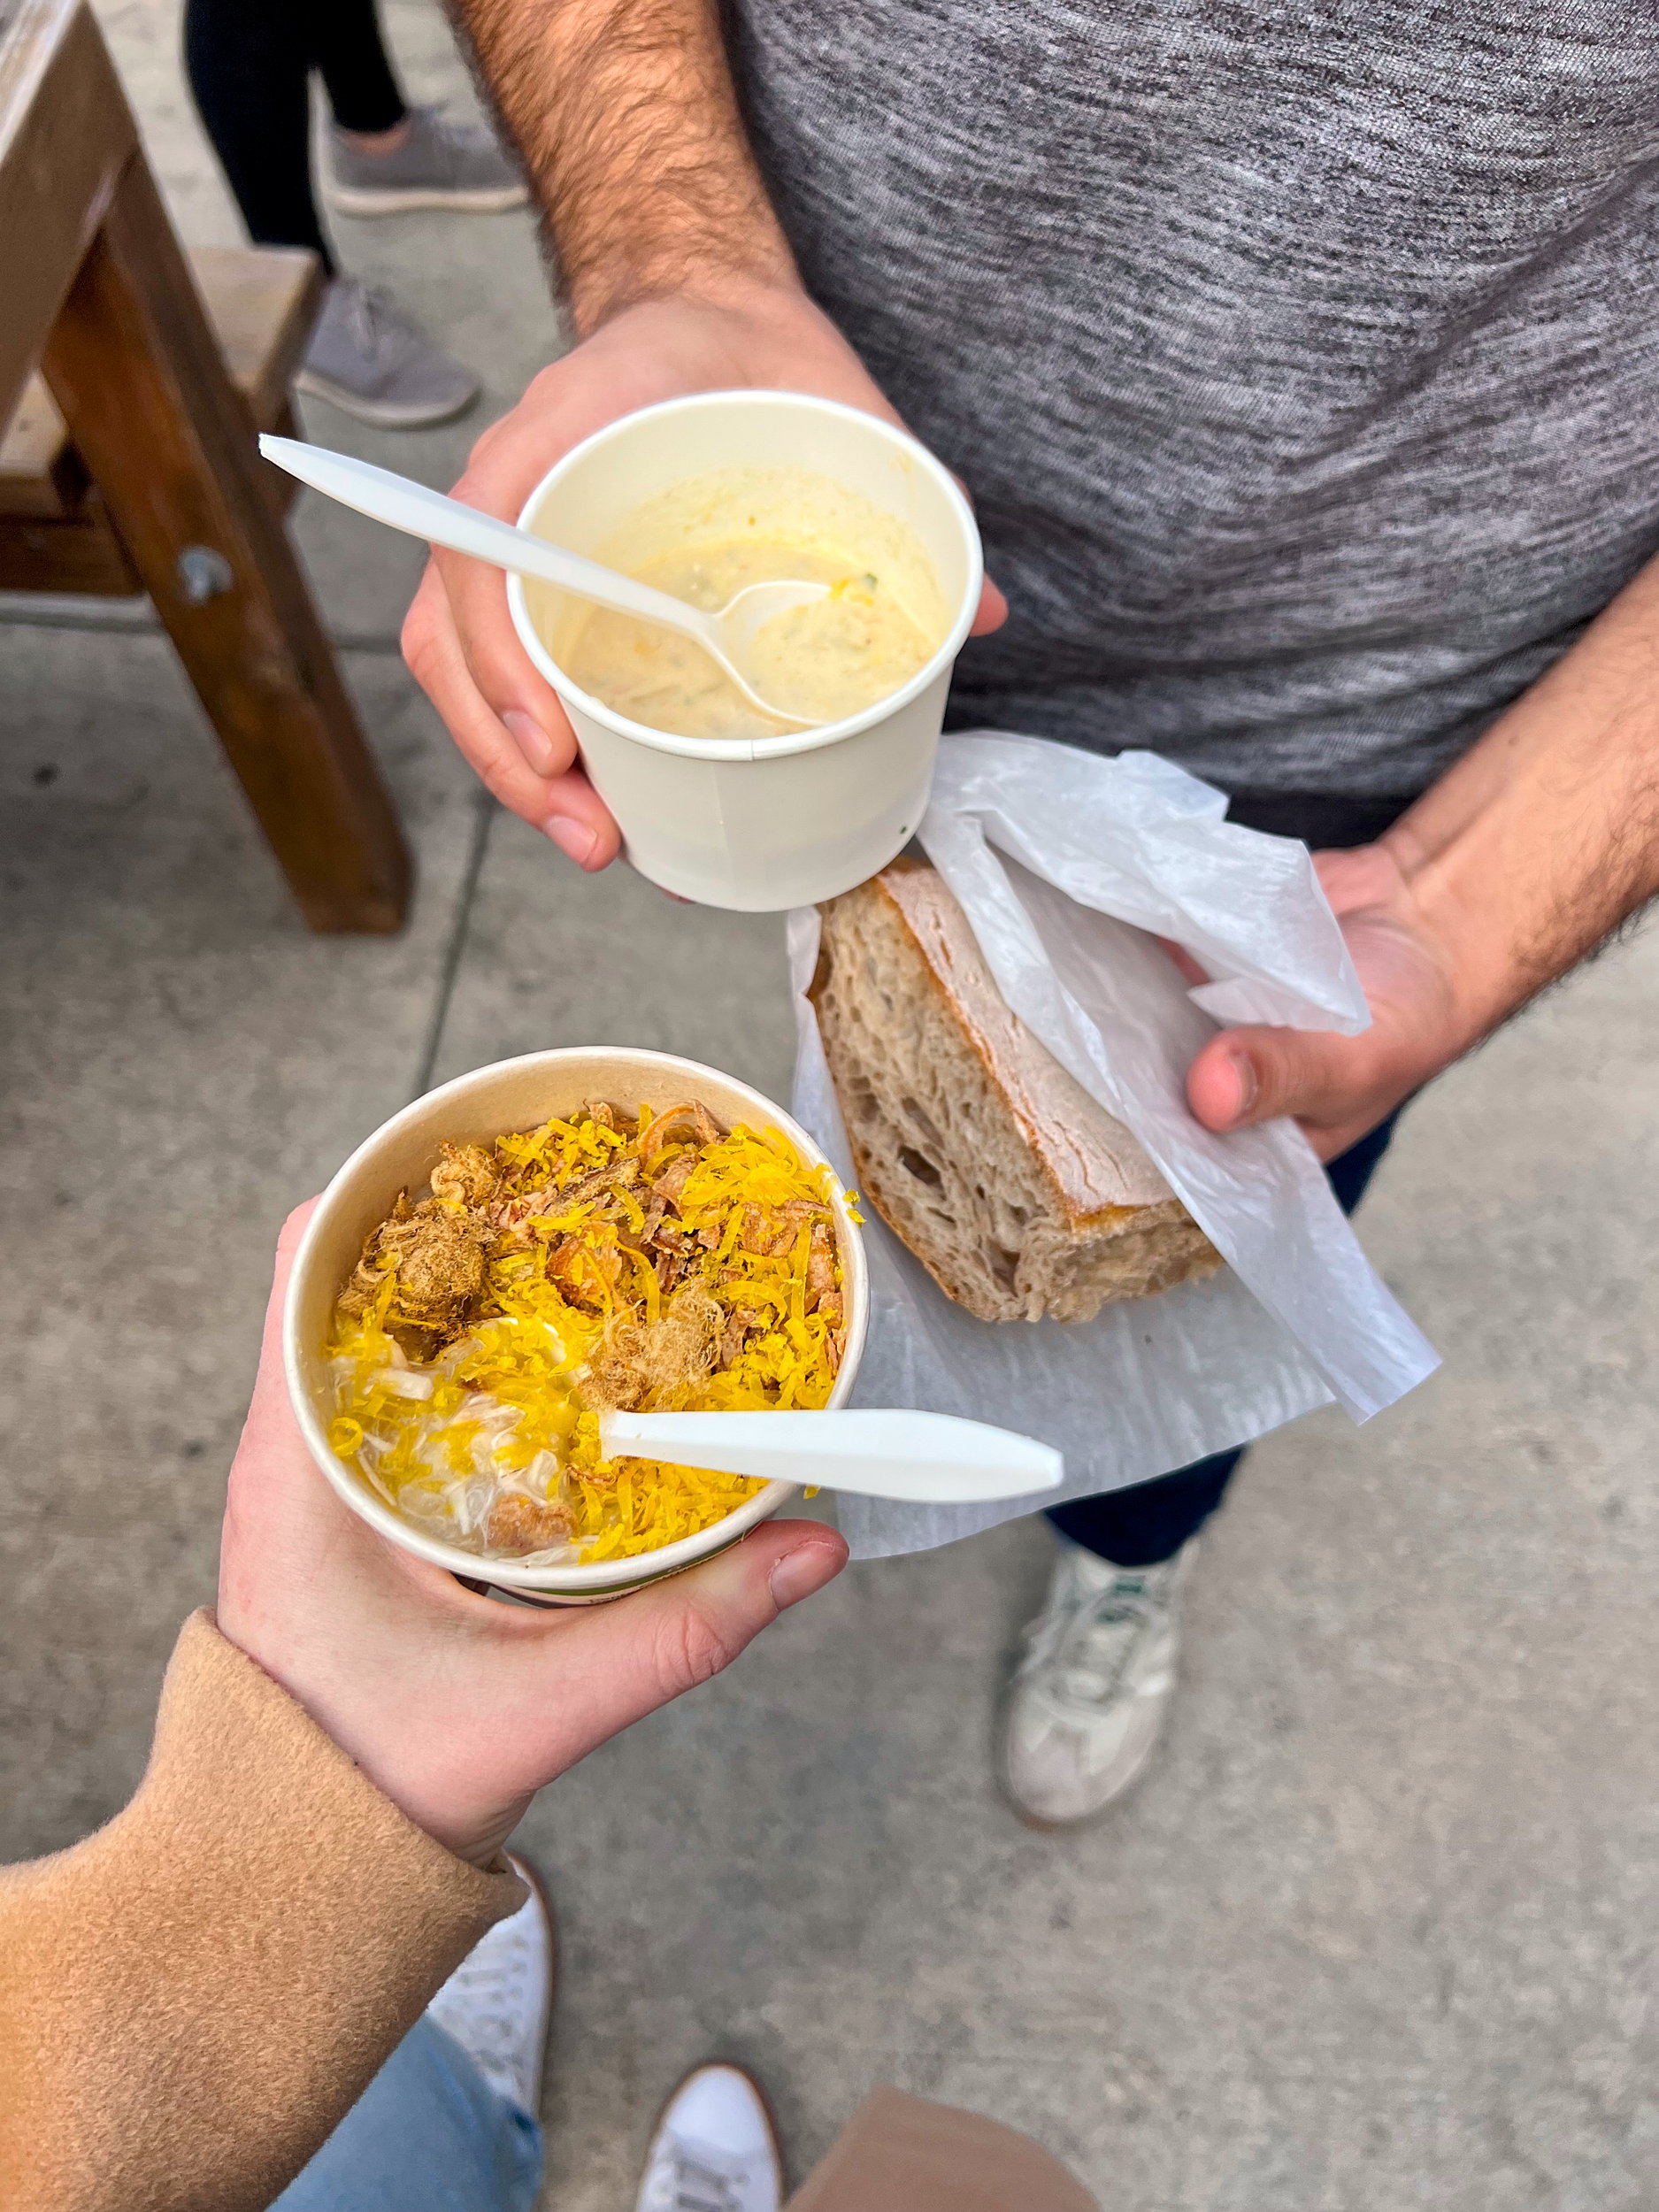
x,y
882,621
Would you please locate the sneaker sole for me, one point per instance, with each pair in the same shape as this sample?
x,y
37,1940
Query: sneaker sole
x,y
496,199
388,413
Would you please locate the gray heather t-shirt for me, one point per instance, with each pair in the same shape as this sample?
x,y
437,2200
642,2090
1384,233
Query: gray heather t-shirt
x,y
1302,359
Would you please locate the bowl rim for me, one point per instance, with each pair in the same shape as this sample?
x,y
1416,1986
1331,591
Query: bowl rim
x,y
783,742
599,1576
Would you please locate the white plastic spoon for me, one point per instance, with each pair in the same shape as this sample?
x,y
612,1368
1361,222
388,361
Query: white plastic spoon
x,y
925,1458
403,504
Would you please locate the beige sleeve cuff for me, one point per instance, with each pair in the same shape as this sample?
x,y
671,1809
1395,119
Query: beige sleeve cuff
x,y
192,1998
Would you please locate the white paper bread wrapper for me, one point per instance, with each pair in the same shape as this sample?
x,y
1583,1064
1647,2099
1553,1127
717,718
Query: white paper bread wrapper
x,y
1090,855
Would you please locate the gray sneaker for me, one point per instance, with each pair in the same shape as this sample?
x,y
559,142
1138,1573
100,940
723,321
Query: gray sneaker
x,y
372,361
441,164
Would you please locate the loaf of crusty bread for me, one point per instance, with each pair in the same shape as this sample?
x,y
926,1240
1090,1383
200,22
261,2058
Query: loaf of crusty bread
x,y
1020,1195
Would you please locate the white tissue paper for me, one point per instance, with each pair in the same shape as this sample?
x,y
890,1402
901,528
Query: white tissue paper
x,y
1064,862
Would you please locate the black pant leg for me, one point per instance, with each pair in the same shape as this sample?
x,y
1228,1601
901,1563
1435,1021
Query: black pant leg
x,y
1140,1526
249,67
1150,1521
348,50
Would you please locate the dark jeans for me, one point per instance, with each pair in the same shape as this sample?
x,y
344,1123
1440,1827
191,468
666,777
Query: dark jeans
x,y
250,63
1152,1520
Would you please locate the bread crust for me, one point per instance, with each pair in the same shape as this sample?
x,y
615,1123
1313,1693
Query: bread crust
x,y
1020,1195
1095,1167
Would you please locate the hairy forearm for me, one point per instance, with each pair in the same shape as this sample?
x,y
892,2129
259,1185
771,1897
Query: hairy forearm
x,y
628,121
1545,836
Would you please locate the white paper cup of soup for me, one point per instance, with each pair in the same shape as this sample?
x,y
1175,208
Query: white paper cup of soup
x,y
476,1108
756,824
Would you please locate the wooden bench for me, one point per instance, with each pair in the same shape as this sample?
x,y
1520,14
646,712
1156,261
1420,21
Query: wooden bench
x,y
130,390
56,533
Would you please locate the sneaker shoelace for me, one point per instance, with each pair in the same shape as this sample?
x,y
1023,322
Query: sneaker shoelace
x,y
1083,1644
376,324
699,2187
492,1995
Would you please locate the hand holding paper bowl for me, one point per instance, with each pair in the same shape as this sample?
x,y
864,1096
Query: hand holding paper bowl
x,y
459,640
765,811
455,1708
606,1232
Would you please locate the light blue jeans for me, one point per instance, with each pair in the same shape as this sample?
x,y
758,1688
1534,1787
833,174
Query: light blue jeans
x,y
428,2134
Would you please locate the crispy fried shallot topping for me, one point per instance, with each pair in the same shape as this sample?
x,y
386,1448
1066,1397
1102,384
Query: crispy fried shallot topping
x,y
636,1261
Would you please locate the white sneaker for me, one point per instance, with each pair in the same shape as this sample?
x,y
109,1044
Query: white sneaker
x,y
498,2001
1089,1699
715,2148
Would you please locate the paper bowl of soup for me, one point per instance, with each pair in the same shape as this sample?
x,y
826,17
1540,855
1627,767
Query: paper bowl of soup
x,y
534,1242
715,800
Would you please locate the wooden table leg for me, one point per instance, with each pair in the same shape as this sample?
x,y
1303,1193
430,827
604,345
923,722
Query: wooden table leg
x,y
135,370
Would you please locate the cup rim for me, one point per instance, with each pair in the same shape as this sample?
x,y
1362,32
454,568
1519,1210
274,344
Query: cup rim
x,y
579,1576
783,742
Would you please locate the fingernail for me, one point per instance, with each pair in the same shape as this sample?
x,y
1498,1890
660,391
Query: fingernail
x,y
531,739
1244,1068
796,1575
573,837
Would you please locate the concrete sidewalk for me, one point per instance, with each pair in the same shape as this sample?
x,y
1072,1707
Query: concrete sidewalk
x,y
1378,1932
